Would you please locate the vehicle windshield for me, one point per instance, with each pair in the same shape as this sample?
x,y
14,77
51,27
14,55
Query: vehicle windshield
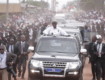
x,y
77,34
60,20
59,46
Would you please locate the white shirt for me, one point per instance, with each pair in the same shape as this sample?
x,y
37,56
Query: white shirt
x,y
22,46
3,60
31,33
11,48
99,49
22,43
54,31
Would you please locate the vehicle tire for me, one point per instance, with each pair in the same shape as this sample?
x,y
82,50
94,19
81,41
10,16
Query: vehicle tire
x,y
78,78
30,78
33,79
81,77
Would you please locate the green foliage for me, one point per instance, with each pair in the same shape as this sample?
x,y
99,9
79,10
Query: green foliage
x,y
92,4
2,17
38,3
87,4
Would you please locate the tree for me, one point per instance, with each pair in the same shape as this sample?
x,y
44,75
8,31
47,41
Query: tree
x,y
92,4
42,4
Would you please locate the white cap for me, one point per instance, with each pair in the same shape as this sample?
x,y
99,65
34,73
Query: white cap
x,y
98,36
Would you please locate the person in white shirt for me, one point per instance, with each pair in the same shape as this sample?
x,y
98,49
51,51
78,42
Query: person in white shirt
x,y
100,58
54,30
6,59
3,66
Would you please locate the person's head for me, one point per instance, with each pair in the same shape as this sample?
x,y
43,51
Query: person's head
x,y
45,24
54,24
10,33
2,49
23,38
94,39
86,27
99,39
11,41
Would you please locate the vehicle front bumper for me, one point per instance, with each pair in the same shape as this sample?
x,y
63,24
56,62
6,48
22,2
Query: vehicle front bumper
x,y
38,74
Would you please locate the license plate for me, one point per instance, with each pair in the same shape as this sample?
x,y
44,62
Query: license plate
x,y
53,70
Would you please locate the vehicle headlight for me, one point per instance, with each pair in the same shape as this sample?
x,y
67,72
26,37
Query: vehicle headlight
x,y
36,63
73,65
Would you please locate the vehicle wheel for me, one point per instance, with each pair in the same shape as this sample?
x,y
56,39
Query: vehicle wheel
x,y
81,77
29,78
33,79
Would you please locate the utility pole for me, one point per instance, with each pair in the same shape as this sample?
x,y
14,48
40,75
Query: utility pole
x,y
7,11
24,1
42,5
53,5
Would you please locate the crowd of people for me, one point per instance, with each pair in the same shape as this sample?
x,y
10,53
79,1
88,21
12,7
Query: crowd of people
x,y
16,36
95,21
96,48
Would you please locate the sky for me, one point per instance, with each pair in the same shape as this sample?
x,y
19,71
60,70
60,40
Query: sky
x,y
61,3
59,6
11,1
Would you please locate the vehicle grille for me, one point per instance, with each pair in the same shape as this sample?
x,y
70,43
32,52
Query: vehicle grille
x,y
48,64
54,65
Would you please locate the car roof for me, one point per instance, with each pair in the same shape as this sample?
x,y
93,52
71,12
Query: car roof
x,y
72,30
76,24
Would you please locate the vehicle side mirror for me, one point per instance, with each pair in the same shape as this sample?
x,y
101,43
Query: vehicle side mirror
x,y
83,51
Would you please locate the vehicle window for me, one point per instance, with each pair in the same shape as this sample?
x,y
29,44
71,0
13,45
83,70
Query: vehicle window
x,y
57,45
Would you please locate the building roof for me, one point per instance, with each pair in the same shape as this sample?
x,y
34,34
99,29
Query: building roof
x,y
13,8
